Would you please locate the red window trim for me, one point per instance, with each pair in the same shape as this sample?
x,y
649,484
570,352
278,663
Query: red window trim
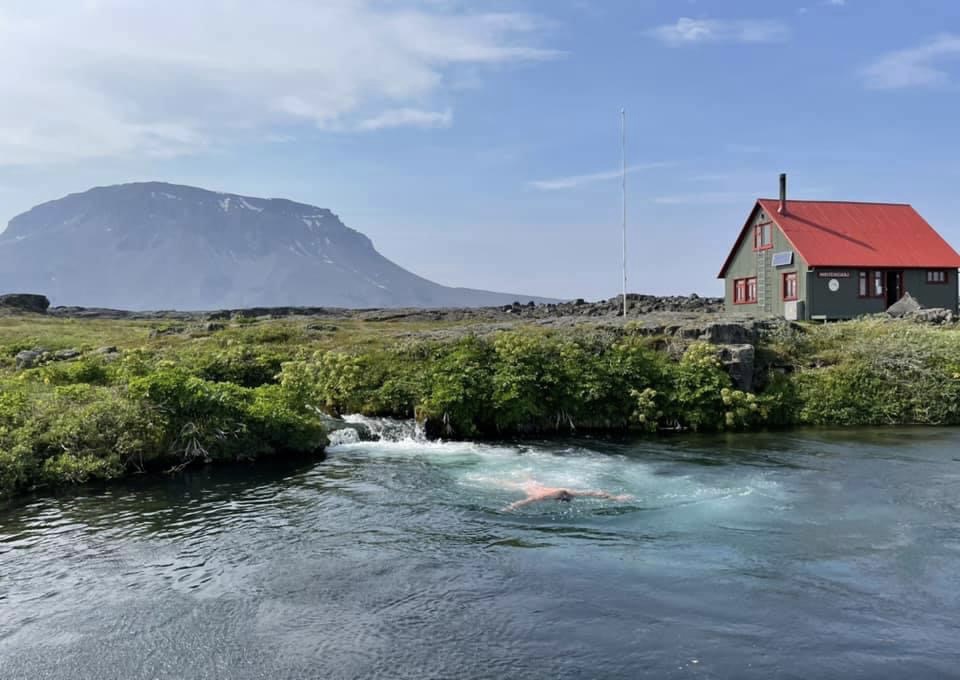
x,y
758,236
747,300
796,287
871,275
946,277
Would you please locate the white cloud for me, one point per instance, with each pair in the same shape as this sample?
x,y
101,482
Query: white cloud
x,y
703,198
573,181
913,67
835,3
107,78
408,118
687,31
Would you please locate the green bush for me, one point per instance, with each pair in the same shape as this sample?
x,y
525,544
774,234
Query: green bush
x,y
216,421
882,373
240,365
85,371
274,427
459,391
73,434
624,383
699,381
531,383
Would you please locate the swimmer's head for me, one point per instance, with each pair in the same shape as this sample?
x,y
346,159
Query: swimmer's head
x,y
565,496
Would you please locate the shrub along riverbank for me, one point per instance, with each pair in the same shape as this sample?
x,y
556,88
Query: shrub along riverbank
x,y
172,396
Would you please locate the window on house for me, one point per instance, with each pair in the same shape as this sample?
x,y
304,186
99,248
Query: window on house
x,y
744,291
790,291
872,284
763,236
936,276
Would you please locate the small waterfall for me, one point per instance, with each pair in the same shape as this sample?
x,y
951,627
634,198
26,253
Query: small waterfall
x,y
386,429
347,435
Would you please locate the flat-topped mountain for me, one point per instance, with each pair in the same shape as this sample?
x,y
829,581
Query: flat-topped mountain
x,y
162,246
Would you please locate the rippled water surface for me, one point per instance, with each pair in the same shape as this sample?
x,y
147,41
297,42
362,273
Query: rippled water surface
x,y
751,556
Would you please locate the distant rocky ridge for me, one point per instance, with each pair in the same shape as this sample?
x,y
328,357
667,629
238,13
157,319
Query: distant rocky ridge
x,y
162,246
637,305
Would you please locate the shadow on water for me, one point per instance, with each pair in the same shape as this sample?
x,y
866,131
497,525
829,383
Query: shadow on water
x,y
152,500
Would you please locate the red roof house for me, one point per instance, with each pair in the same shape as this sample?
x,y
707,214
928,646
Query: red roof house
x,y
837,259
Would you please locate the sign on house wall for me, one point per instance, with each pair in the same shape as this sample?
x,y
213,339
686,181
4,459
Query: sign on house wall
x,y
833,275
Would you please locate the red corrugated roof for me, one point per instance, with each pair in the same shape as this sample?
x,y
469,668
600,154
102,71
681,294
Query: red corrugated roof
x,y
835,234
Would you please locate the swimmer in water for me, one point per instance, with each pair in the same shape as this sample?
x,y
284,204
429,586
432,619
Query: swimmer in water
x,y
538,492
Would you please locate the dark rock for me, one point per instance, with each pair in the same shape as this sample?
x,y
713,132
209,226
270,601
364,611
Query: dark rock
x,y
106,350
25,302
65,355
729,333
904,306
27,359
739,361
333,424
169,330
322,327
437,428
213,326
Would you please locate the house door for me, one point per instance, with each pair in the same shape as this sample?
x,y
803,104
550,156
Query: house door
x,y
894,287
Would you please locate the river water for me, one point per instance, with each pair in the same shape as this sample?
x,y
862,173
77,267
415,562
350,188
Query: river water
x,y
811,555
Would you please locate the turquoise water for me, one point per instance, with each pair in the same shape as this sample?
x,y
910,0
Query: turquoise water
x,y
831,555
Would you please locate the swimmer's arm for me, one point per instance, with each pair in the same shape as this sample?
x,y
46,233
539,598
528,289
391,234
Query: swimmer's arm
x,y
520,504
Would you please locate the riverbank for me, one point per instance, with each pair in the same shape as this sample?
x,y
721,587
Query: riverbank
x,y
99,398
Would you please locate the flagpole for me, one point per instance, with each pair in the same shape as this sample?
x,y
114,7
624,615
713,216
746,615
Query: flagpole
x,y
623,169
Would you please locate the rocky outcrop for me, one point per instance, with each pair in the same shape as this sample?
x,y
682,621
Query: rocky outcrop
x,y
904,306
739,361
909,308
729,332
638,307
28,358
25,302
38,356
339,431
935,315
65,355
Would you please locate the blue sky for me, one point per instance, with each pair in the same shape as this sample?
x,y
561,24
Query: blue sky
x,y
476,143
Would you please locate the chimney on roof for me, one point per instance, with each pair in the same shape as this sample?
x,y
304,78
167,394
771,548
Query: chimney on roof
x,y
783,193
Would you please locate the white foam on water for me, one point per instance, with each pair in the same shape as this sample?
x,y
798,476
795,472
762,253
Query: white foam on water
x,y
502,470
